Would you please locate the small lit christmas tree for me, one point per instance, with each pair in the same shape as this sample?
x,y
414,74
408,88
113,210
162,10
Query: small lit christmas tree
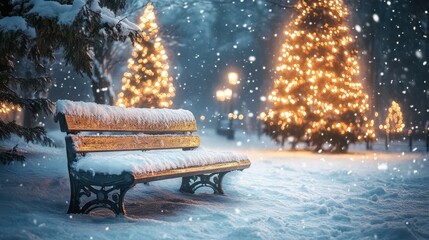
x,y
394,119
317,95
147,83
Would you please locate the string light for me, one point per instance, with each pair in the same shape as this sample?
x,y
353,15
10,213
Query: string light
x,y
7,108
317,86
147,83
394,119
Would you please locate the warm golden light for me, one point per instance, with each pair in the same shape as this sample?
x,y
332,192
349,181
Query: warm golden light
x,y
220,95
394,119
7,108
233,78
147,83
228,94
317,87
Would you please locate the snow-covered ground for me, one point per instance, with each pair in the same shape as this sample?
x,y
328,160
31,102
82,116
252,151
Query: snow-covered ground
x,y
283,195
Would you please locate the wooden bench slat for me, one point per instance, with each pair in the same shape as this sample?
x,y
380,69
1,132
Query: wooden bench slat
x,y
70,123
87,116
103,143
192,171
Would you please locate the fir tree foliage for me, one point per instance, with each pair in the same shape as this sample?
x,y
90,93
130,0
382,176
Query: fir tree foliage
x,y
147,83
317,95
9,156
33,31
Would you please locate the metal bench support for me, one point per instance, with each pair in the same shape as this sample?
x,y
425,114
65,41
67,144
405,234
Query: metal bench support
x,y
213,181
96,189
108,195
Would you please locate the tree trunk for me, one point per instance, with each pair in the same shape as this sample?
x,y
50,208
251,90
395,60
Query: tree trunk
x,y
386,143
101,81
344,148
102,87
318,147
28,118
293,144
96,91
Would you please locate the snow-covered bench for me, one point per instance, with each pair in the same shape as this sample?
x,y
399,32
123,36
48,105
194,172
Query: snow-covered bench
x,y
107,152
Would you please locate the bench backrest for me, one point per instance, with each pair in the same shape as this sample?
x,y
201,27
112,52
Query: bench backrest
x,y
147,129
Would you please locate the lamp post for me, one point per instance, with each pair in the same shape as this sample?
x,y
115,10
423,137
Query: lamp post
x,y
387,138
233,78
220,97
410,138
233,81
226,94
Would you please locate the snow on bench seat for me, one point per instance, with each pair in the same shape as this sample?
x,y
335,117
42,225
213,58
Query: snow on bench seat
x,y
104,166
113,114
153,161
86,116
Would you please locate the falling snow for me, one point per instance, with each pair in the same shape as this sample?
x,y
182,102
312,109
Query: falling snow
x,y
381,193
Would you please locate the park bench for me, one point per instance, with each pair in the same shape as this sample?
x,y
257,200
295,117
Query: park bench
x,y
110,149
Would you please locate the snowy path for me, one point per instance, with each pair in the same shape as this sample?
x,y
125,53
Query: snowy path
x,y
284,195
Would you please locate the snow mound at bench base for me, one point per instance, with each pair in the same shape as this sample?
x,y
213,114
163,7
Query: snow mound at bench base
x,y
153,161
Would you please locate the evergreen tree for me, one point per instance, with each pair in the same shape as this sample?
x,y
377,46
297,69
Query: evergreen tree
x,y
33,31
394,120
147,82
318,94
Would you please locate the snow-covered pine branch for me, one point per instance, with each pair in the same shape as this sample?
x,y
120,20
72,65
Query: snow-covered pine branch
x,y
33,31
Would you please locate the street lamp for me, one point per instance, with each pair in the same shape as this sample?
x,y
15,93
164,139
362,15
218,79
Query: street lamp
x,y
220,95
233,81
228,93
233,78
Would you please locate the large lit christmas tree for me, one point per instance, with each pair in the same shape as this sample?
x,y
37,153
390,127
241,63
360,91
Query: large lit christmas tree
x,y
317,94
147,83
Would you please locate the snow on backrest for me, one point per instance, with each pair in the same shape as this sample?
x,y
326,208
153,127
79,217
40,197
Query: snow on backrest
x,y
85,116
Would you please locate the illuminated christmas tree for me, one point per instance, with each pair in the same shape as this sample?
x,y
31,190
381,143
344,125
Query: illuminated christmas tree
x,y
394,119
317,94
147,83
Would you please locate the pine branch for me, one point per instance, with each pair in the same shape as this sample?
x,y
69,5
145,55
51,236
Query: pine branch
x,y
38,84
13,42
12,155
34,84
6,65
34,135
33,105
114,5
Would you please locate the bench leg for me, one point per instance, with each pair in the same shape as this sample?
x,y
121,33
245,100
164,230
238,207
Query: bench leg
x,y
110,196
74,196
102,200
213,181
